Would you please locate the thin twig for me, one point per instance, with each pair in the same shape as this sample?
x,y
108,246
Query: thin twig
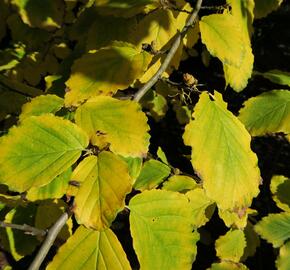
x,y
51,236
26,228
143,90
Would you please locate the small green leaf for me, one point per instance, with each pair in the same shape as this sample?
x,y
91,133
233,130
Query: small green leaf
x,y
218,32
275,228
253,241
231,245
41,105
39,150
280,188
263,8
179,183
267,113
134,166
283,260
151,175
160,223
121,123
161,155
90,250
276,76
228,266
102,192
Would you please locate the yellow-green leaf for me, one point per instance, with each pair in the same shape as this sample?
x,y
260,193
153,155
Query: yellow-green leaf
x,y
199,204
90,250
105,71
228,266
102,193
218,31
54,190
179,183
283,260
236,218
160,223
151,175
265,7
280,188
231,246
134,166
121,122
275,228
253,241
276,76
39,150
41,105
227,165
45,14
267,113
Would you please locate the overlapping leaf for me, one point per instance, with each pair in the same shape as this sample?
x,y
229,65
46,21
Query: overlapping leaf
x,y
160,223
267,113
102,192
90,250
105,71
39,150
121,123
180,183
276,76
280,188
226,165
283,260
263,8
228,266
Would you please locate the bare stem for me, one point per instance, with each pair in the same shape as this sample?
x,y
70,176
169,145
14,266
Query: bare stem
x,y
143,90
26,228
51,236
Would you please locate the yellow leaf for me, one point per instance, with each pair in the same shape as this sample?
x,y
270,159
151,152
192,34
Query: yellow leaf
x,y
105,71
228,266
227,165
121,121
102,192
90,250
39,150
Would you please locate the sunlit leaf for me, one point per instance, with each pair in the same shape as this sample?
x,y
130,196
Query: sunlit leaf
x,y
199,203
151,175
234,218
283,260
179,183
218,32
263,8
121,122
231,245
227,165
54,190
267,113
41,105
102,193
34,14
280,188
39,150
105,71
158,219
276,76
134,166
228,266
275,228
90,250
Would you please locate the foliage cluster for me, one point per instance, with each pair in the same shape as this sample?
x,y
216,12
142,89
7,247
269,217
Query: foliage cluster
x,y
70,74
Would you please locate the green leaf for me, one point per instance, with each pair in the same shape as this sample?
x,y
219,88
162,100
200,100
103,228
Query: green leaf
x,y
263,8
151,175
280,188
179,183
283,260
134,166
267,113
161,155
41,105
253,241
39,150
275,228
15,241
103,191
90,250
199,203
54,190
218,32
34,14
230,247
228,266
121,123
227,165
160,223
276,76
105,71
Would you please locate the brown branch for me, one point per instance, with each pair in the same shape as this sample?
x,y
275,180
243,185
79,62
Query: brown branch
x,y
191,21
51,236
26,228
